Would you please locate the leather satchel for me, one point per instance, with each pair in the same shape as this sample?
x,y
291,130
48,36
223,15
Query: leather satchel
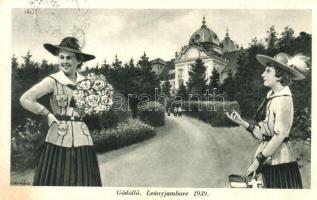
x,y
236,181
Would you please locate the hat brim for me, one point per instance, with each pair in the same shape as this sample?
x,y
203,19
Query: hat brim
x,y
264,60
54,49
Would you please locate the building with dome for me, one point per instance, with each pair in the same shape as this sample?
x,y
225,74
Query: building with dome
x,y
228,45
204,44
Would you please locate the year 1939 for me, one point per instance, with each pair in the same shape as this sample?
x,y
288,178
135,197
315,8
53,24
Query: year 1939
x,y
201,193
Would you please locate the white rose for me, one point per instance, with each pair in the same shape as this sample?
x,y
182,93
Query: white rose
x,y
85,85
99,85
93,100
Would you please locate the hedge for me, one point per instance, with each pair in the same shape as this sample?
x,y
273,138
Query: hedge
x,y
212,112
152,113
126,133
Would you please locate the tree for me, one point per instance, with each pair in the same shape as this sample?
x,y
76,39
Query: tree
x,y
285,42
144,63
302,44
247,80
197,78
131,63
27,62
133,81
24,76
271,39
105,68
14,62
228,87
182,91
214,80
254,42
166,89
117,63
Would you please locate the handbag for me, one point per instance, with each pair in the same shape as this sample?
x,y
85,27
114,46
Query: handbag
x,y
236,181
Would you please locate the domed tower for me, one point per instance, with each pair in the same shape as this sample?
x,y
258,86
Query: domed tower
x,y
206,38
205,45
228,45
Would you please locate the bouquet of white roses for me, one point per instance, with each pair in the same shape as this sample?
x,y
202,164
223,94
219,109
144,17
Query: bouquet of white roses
x,y
94,94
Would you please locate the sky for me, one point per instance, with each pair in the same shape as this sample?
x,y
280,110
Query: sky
x,y
128,33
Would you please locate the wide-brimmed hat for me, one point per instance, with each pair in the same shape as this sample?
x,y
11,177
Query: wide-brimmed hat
x,y
69,44
296,65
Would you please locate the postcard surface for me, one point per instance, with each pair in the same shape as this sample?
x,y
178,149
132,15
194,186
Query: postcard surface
x,y
119,100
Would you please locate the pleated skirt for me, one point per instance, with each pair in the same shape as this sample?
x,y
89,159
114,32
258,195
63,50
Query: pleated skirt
x,y
284,175
63,166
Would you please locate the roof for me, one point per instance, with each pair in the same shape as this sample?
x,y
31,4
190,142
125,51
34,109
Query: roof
x,y
228,45
209,52
204,35
158,61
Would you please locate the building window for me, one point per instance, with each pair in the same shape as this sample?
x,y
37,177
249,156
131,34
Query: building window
x,y
180,73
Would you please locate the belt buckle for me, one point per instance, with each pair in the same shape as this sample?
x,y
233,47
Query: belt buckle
x,y
72,118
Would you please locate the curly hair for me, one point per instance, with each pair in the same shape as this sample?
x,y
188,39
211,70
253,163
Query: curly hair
x,y
285,77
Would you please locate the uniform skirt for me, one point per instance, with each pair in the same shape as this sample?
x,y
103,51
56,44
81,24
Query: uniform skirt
x,y
63,166
284,175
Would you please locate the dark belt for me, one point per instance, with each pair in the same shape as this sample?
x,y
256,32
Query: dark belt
x,y
68,118
268,138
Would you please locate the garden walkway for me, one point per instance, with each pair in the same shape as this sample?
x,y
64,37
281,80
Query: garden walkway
x,y
185,153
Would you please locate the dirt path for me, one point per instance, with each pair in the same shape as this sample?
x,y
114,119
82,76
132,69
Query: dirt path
x,y
185,153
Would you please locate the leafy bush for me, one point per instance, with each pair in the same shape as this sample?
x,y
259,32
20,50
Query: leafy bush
x,y
26,142
152,113
124,134
302,124
212,112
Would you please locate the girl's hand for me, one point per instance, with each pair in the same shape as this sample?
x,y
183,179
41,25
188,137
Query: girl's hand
x,y
235,117
51,119
251,169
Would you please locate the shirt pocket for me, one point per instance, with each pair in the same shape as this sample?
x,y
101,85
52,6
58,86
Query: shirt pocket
x,y
85,129
62,100
62,128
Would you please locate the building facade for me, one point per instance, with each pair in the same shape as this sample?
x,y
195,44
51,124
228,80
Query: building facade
x,y
204,44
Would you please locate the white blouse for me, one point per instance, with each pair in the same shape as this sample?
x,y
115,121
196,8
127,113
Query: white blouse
x,y
277,124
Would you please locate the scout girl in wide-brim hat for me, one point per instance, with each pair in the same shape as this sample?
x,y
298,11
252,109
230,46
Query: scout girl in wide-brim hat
x,y
69,44
274,159
295,66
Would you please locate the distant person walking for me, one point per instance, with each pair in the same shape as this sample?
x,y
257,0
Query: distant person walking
x,y
175,111
179,111
168,111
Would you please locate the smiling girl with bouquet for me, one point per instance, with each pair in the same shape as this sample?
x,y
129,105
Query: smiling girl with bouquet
x,y
68,157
